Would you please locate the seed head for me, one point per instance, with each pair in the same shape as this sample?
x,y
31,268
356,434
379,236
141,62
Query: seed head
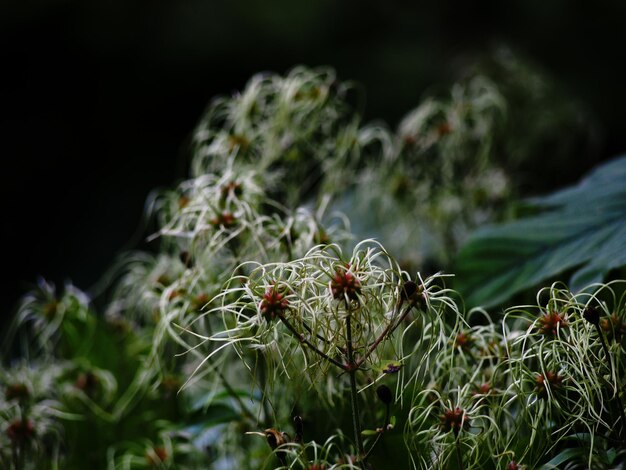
x,y
20,431
155,457
613,327
550,380
464,341
550,322
87,382
483,389
344,284
199,301
231,188
50,309
224,219
273,304
454,420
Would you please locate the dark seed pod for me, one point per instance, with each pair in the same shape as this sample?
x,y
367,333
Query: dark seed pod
x,y
299,428
592,315
411,293
384,394
408,290
186,258
274,438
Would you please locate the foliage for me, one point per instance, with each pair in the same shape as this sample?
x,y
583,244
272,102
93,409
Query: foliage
x,y
265,332
581,228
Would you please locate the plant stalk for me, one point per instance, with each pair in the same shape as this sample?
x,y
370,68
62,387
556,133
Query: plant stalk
x,y
386,333
617,397
314,348
353,390
459,454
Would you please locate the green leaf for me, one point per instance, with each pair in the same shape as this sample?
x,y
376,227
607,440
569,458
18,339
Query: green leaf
x,y
610,455
368,432
581,228
567,454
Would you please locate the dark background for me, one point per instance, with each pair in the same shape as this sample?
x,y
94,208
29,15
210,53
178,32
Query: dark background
x,y
99,98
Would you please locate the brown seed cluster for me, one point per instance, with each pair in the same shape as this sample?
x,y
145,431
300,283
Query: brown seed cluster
x,y
20,431
274,303
550,379
551,322
454,420
464,341
482,389
345,285
156,456
614,327
225,219
232,188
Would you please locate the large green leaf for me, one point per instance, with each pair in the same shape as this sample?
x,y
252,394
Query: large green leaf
x,y
581,228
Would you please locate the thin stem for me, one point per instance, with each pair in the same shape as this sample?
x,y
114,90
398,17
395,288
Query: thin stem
x,y
387,332
232,392
617,397
314,348
16,462
317,335
264,402
353,390
380,434
459,455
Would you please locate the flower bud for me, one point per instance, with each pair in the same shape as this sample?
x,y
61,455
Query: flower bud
x,y
384,394
592,315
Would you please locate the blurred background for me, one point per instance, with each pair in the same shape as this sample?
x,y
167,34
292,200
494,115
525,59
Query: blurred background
x,y
99,98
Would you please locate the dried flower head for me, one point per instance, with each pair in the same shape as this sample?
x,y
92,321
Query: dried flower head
x,y
21,431
551,322
232,188
274,303
345,285
464,342
454,420
87,382
483,389
614,327
224,219
156,456
551,380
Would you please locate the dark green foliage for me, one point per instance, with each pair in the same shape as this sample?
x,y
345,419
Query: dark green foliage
x,y
582,228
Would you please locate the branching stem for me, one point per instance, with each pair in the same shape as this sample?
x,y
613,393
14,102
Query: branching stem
x,y
356,423
386,333
617,397
314,348
380,434
459,454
